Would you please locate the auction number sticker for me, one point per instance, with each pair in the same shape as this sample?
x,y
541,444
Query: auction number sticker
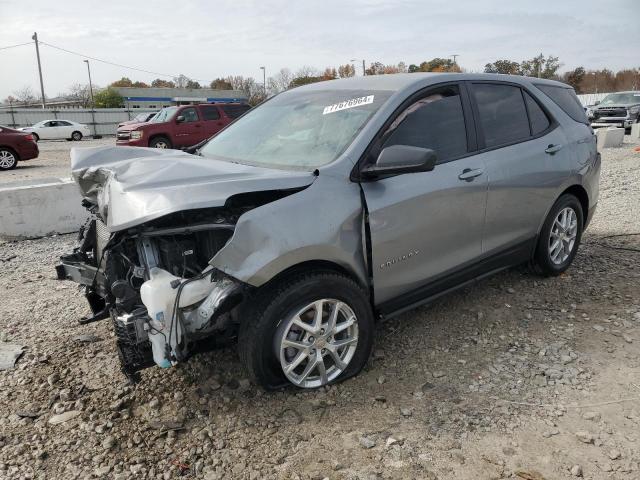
x,y
354,102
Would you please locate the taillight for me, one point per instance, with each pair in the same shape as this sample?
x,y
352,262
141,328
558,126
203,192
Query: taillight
x,y
29,137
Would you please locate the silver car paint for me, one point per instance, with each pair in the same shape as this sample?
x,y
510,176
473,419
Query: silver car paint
x,y
325,221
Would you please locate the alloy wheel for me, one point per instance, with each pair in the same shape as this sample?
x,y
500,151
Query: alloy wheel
x,y
316,343
7,159
562,238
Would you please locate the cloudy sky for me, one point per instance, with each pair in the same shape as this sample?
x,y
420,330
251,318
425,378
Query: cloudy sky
x,y
206,39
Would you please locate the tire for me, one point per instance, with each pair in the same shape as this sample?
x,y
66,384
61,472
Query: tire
x,y
268,323
36,138
8,158
76,136
160,142
549,261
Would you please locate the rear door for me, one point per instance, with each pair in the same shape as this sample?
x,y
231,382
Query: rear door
x,y
213,121
65,129
190,130
527,160
425,226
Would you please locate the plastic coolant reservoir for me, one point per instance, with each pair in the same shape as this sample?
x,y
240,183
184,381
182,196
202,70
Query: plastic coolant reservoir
x,y
159,296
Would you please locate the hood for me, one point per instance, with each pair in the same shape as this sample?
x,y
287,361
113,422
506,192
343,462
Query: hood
x,y
133,185
616,105
130,125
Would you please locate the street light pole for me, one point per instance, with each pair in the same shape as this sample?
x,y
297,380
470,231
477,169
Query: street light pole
x,y
93,105
264,81
35,38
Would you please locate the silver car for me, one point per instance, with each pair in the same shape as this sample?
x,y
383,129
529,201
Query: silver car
x,y
326,208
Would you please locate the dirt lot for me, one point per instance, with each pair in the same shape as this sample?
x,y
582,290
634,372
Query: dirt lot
x,y
53,160
517,377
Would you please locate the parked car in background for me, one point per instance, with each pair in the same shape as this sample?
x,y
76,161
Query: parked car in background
x,y
140,118
58,130
180,126
16,146
620,109
326,208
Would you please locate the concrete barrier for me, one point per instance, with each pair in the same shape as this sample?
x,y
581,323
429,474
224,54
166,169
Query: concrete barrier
x,y
40,207
635,131
609,137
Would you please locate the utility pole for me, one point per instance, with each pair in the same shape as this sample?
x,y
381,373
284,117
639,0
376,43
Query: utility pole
x,y
364,68
93,105
455,55
35,38
264,81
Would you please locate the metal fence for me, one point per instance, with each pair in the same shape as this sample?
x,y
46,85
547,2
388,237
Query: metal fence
x,y
105,120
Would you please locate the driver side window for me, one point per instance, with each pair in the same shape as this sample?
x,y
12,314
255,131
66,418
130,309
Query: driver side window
x,y
436,121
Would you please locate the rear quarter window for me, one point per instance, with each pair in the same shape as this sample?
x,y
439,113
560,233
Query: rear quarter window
x,y
566,99
234,111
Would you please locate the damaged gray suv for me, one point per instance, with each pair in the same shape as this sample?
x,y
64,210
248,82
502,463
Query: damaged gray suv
x,y
326,208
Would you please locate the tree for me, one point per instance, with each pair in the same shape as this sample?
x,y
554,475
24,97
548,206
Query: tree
x,y
25,95
540,67
439,65
108,98
81,93
220,84
507,67
159,83
280,81
140,85
123,82
305,76
575,78
193,84
329,74
347,70
181,81
251,89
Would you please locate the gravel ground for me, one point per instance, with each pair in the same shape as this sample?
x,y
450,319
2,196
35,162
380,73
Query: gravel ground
x,y
517,377
53,160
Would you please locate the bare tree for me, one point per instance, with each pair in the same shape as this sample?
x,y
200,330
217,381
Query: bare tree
x,y
81,93
280,81
248,86
346,70
181,81
25,95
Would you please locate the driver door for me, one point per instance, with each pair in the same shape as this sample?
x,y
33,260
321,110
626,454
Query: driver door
x,y
426,226
189,131
49,130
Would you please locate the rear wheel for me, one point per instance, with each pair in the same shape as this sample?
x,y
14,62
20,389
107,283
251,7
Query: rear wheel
x,y
76,136
8,159
310,330
560,236
35,137
160,142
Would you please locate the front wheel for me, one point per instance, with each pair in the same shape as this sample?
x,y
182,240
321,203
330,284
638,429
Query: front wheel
x,y
560,236
8,159
160,142
310,330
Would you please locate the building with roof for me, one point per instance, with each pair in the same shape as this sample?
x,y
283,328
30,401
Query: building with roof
x,y
163,97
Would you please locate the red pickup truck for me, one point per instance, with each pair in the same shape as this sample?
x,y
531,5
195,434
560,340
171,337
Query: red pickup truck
x,y
180,126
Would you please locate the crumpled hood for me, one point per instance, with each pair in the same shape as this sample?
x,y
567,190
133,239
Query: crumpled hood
x,y
133,185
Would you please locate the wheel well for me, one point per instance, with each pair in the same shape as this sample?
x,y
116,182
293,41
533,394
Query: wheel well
x,y
580,193
317,265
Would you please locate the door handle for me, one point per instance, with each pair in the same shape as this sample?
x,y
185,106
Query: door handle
x,y
469,174
551,149
197,125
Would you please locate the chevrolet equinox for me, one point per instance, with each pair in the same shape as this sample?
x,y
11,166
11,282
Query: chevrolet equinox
x,y
326,208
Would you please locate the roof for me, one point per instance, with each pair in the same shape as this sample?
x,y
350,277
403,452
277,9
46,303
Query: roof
x,y
401,81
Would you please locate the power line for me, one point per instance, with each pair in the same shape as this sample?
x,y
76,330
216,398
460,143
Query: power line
x,y
113,63
18,45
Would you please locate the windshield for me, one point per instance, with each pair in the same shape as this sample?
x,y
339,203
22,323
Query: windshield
x,y
621,98
297,129
141,117
164,115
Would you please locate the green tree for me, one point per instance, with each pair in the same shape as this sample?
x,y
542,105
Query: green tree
x,y
108,98
541,66
159,83
220,84
193,84
575,78
123,82
507,67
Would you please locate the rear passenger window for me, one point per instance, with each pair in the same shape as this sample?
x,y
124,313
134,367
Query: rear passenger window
x,y
435,121
210,113
234,111
566,99
502,114
539,120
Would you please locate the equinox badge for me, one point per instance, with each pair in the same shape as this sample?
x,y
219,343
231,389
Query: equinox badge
x,y
393,261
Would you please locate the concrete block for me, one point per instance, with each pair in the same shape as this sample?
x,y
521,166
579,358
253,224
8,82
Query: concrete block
x,y
635,131
609,137
41,207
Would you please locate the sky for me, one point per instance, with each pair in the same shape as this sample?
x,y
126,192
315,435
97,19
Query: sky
x,y
209,39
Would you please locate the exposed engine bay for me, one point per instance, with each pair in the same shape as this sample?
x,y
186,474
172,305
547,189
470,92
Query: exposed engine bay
x,y
156,284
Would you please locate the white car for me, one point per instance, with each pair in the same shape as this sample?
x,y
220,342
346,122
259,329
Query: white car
x,y
58,129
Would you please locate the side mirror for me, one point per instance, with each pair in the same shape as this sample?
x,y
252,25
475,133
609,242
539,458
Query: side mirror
x,y
179,119
597,102
399,159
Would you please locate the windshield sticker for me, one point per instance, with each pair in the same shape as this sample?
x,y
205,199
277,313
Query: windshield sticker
x,y
354,102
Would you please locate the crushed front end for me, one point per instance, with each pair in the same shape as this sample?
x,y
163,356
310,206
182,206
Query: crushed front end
x,y
155,283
